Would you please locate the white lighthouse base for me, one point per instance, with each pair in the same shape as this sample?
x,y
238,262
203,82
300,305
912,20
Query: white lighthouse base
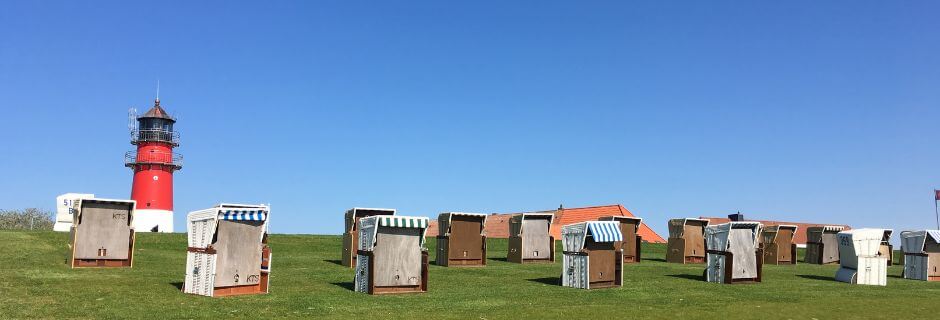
x,y
146,220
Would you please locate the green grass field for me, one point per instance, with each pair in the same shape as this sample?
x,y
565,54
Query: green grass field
x,y
308,282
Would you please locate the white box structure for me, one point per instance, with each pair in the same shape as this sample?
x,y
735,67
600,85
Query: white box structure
x,y
227,252
860,258
65,210
591,258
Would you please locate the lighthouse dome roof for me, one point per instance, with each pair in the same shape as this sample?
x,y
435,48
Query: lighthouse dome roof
x,y
157,112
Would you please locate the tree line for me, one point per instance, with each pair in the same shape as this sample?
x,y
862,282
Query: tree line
x,y
26,219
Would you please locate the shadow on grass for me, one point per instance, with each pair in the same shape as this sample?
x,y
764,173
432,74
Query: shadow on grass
x,y
345,285
554,281
654,259
695,277
337,262
499,259
816,277
178,285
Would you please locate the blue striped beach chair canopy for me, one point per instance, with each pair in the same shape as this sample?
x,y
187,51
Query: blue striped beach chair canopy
x,y
605,231
202,225
574,236
243,215
243,212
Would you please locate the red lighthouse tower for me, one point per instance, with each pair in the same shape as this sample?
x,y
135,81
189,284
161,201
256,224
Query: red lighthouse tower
x,y
153,163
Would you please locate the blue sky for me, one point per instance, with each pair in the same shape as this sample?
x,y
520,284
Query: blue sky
x,y
806,111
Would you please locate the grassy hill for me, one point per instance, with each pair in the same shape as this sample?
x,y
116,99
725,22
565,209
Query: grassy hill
x,y
308,282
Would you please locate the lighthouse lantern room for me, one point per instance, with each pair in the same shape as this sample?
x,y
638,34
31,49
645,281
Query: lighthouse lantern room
x,y
153,164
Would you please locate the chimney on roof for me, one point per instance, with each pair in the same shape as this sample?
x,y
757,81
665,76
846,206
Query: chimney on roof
x,y
561,207
736,217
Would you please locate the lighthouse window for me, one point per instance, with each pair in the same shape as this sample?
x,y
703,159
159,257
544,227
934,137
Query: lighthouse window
x,y
156,124
148,124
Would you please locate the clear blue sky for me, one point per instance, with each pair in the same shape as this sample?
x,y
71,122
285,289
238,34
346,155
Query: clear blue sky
x,y
796,110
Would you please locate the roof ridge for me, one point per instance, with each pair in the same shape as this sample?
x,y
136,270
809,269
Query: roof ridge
x,y
591,207
622,209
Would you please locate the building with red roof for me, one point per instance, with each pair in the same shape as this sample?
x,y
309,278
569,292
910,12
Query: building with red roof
x,y
568,216
497,224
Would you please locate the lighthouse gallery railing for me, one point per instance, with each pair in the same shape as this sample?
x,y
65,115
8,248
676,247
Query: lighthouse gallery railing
x,y
155,135
131,158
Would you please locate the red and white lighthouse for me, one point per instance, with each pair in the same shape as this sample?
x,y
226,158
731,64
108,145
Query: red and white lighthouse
x,y
153,163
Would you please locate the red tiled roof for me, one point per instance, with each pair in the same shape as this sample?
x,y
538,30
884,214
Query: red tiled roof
x,y
574,215
798,238
432,228
497,224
